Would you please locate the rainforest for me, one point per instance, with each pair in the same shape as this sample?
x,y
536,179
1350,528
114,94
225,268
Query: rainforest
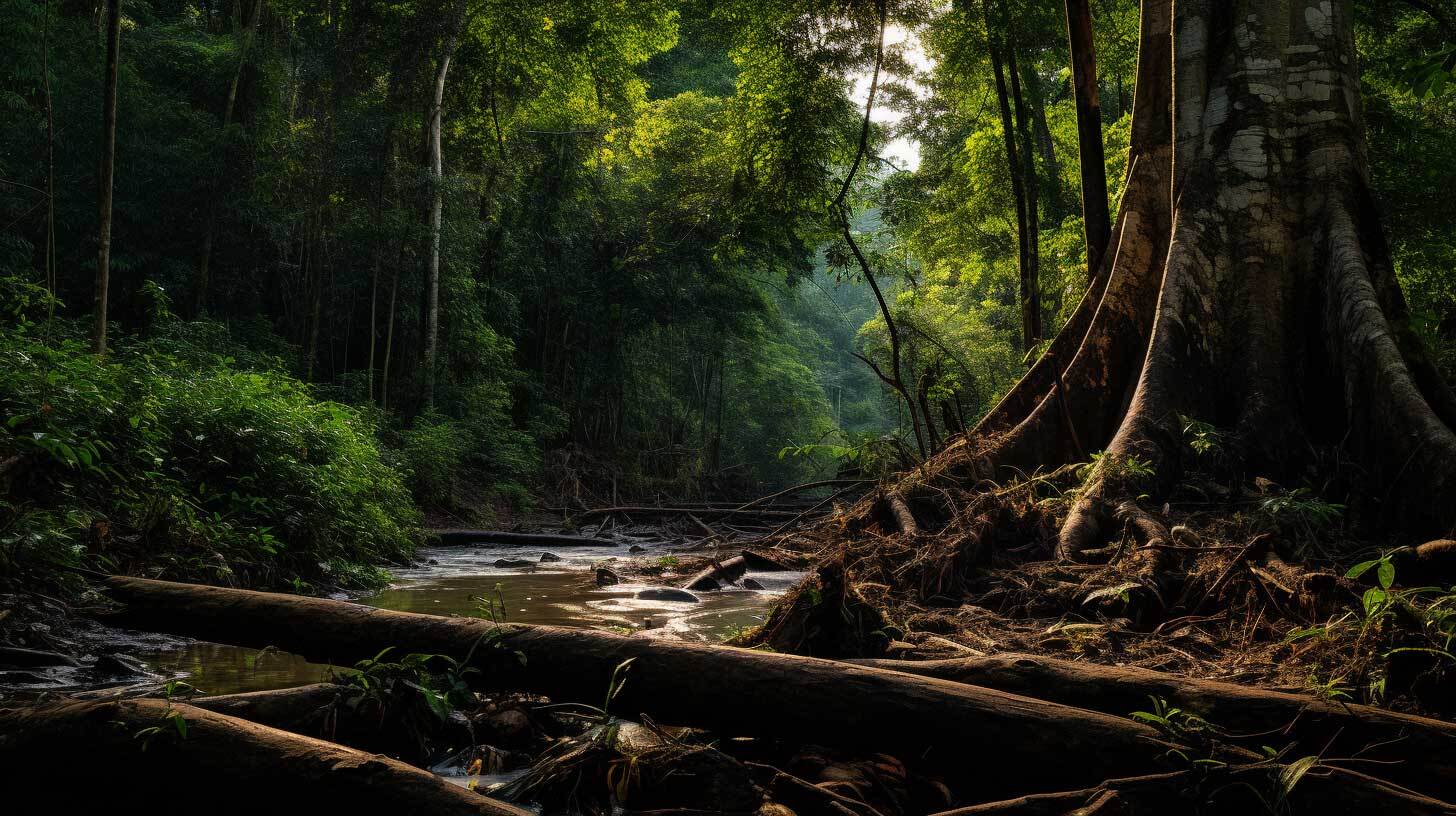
x,y
807,408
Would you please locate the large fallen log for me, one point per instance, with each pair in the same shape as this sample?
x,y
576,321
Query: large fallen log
x,y
467,537
333,711
706,512
1421,752
1320,791
104,757
1000,743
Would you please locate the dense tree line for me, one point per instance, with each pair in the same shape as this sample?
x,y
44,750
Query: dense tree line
x,y
586,246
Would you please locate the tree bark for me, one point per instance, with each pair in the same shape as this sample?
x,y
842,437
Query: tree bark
x,y
108,166
1231,791
343,714
265,769
1417,752
437,208
1031,271
1248,285
1018,744
996,44
1096,223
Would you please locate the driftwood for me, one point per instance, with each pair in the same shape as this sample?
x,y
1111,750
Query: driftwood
x,y
466,537
731,569
705,512
1421,751
1011,743
806,486
721,572
762,563
102,757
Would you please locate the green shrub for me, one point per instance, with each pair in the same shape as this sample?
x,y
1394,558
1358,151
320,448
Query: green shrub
x,y
163,459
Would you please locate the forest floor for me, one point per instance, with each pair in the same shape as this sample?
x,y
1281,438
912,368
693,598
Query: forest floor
x,y
1257,585
1090,664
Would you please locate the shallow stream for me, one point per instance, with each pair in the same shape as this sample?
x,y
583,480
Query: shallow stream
x,y
454,580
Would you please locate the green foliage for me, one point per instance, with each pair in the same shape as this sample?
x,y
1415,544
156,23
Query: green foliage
x,y
1301,512
1427,75
172,727
1392,621
1172,720
413,685
184,467
1204,439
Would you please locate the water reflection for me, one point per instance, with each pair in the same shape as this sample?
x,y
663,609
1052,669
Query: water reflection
x,y
453,580
216,669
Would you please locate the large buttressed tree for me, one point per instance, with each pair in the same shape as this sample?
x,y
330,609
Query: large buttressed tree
x,y
1247,284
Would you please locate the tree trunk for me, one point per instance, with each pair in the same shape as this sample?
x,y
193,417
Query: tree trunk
x,y
437,208
1248,285
388,341
467,537
1014,743
1031,271
1096,223
108,166
199,286
1417,752
1014,168
264,769
1223,791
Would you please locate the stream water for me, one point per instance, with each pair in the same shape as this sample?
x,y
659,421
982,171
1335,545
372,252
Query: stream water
x,y
453,580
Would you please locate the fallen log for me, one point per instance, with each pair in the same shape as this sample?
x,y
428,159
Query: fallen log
x,y
1001,742
706,512
721,572
730,570
802,487
466,537
333,711
762,563
1238,791
286,709
1422,751
220,763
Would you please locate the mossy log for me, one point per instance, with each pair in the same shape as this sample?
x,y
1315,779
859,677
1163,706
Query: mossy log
x,y
103,757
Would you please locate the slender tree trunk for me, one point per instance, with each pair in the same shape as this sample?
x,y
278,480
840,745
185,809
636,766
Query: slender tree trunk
x,y
1096,223
50,250
1031,272
108,166
1018,192
388,342
373,314
200,282
437,207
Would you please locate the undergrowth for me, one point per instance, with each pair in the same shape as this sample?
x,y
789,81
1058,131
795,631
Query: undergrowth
x,y
170,459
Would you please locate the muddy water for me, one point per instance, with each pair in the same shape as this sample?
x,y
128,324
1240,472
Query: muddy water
x,y
454,580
